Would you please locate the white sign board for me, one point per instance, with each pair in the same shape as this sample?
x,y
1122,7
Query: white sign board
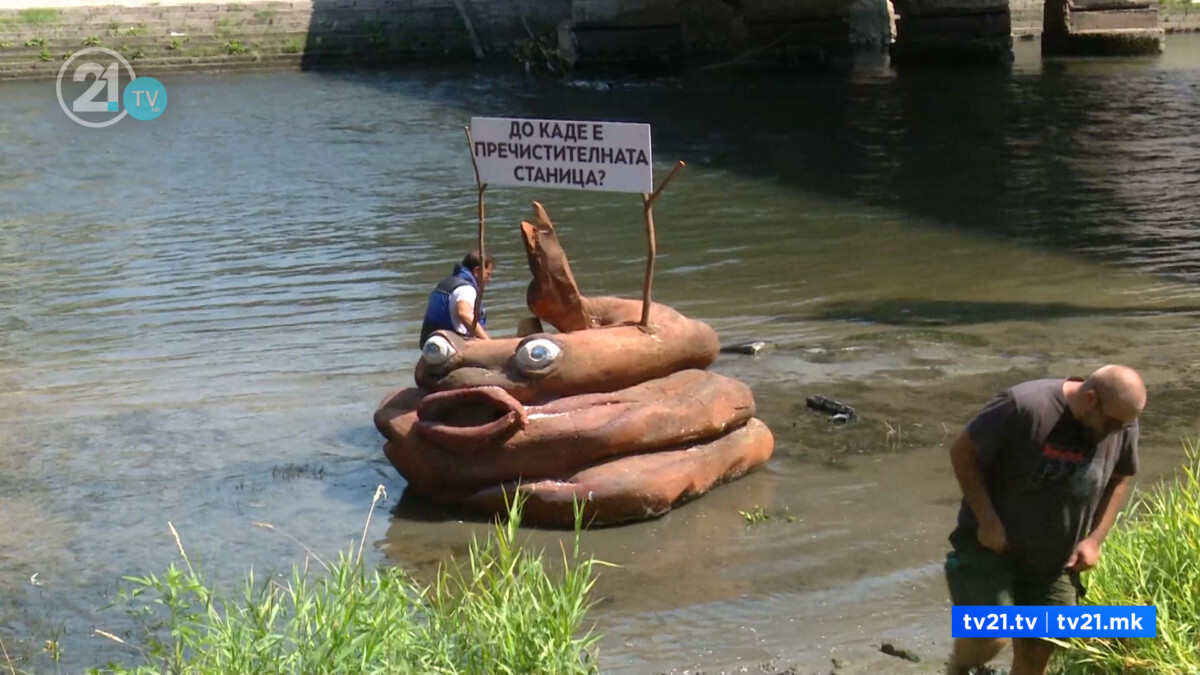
x,y
603,156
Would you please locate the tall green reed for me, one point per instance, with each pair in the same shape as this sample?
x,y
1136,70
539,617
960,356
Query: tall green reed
x,y
1151,557
503,611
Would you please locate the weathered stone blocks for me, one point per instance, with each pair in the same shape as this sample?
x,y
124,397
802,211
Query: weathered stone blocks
x,y
1101,28
952,31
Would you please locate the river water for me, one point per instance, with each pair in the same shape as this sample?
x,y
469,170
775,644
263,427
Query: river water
x,y
199,314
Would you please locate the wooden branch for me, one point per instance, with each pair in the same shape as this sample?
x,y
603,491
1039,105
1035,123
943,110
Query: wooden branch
x,y
482,252
674,170
651,245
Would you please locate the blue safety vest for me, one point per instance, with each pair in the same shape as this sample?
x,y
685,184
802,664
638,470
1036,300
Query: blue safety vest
x,y
438,311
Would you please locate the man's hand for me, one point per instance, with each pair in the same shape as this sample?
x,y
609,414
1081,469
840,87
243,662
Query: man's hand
x,y
991,536
1085,556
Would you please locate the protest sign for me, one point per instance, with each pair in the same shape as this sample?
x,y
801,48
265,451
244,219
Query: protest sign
x,y
599,156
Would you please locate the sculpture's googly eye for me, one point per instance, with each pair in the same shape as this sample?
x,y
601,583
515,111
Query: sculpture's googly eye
x,y
437,351
538,354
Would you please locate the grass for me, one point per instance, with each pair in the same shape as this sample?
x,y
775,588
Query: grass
x,y
1151,557
501,612
758,515
755,515
894,436
38,16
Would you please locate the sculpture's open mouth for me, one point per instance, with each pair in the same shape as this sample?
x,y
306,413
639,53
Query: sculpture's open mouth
x,y
469,418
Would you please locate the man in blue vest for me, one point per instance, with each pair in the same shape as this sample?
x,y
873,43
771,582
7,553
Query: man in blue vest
x,y
452,303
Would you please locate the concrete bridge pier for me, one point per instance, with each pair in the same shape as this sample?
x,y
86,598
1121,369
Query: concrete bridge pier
x,y
1101,28
952,31
671,33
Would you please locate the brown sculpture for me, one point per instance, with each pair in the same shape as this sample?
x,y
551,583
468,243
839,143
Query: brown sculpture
x,y
618,415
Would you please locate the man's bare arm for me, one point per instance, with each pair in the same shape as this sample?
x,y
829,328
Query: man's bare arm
x,y
1110,505
466,314
965,460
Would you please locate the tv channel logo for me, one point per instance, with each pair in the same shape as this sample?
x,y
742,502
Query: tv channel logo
x,y
95,89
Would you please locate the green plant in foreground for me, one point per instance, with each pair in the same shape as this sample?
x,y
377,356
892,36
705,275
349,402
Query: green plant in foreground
x,y
755,515
1151,557
758,515
501,612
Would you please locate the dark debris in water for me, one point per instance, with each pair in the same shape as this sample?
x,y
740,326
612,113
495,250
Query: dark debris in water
x,y
753,348
296,471
839,413
892,650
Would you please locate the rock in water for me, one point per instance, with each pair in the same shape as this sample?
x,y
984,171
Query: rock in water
x,y
892,650
751,348
839,412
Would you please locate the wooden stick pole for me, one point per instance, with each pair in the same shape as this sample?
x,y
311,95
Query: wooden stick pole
x,y
651,246
482,252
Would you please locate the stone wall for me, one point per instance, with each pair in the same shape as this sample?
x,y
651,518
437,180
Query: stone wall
x,y
36,36
941,31
667,33
1027,17
174,35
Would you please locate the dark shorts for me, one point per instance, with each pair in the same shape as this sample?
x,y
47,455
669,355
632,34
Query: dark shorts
x,y
978,576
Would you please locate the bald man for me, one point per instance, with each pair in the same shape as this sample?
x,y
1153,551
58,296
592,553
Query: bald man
x,y
1044,468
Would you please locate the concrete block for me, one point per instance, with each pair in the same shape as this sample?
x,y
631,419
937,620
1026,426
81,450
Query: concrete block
x,y
625,12
949,7
952,29
627,42
1110,20
1126,42
790,10
823,33
1074,5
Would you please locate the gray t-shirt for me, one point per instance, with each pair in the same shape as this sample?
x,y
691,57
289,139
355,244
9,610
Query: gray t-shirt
x,y
1043,474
